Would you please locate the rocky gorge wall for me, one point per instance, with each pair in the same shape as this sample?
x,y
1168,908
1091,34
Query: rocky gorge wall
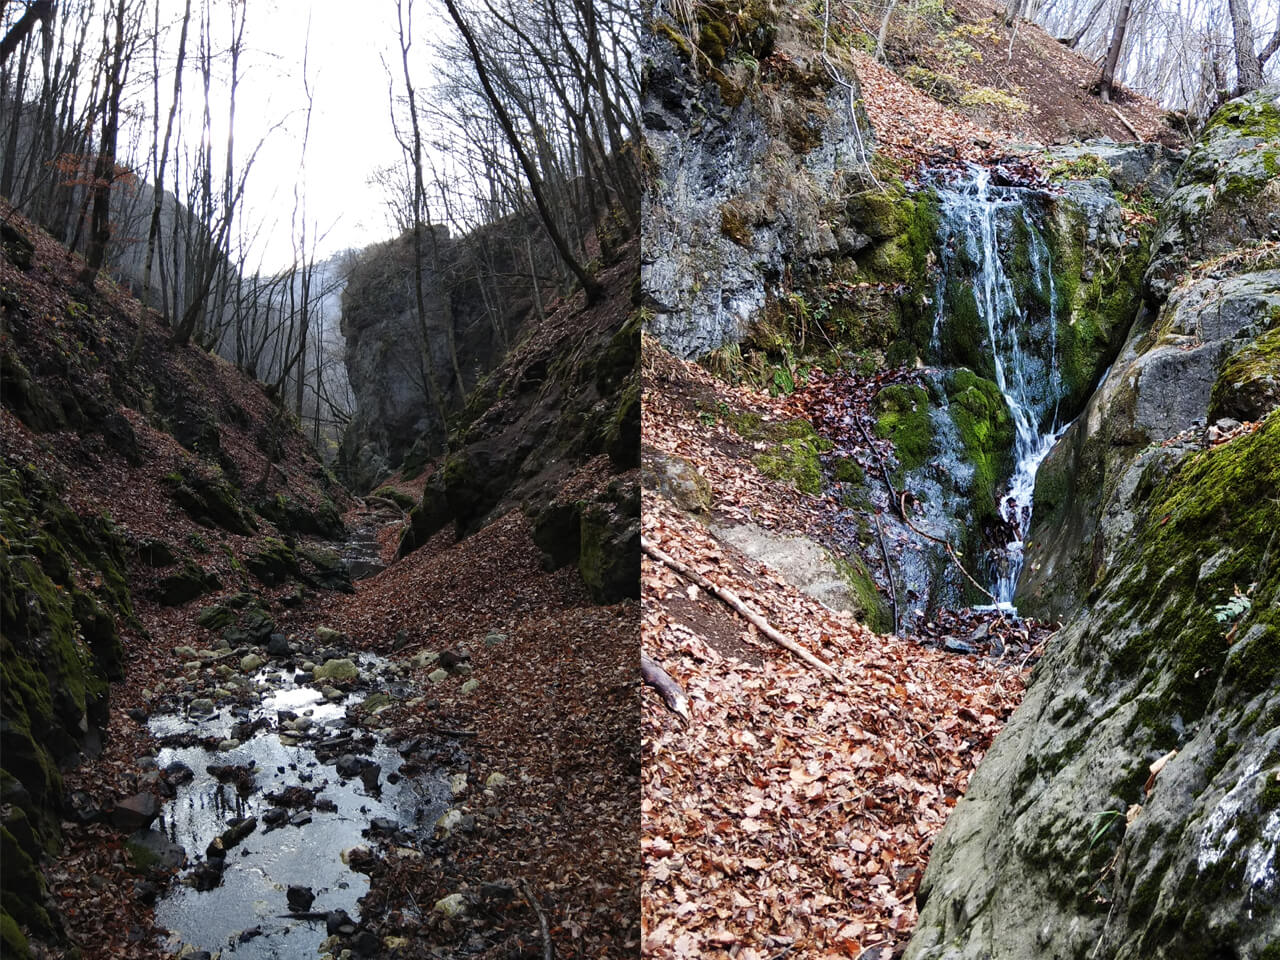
x,y
1130,807
389,370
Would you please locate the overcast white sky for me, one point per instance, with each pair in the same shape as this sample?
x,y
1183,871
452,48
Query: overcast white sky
x,y
351,134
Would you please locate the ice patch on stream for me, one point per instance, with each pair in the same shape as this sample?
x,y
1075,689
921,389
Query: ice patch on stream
x,y
261,868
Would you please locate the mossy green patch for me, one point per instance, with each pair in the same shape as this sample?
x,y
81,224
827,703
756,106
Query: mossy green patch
x,y
273,562
401,499
1256,117
1220,503
903,416
792,452
986,429
1097,301
1249,384
13,939
872,609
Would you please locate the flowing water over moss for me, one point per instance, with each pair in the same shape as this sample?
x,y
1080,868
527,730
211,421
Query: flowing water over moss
x,y
997,312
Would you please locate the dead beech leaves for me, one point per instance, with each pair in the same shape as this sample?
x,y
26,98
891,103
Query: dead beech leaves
x,y
794,814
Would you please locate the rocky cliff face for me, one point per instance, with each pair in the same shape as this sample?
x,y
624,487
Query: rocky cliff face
x,y
555,430
746,185
1131,808
390,371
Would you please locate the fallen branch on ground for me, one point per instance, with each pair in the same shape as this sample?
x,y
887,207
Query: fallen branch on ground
x,y
732,599
672,695
1128,126
547,952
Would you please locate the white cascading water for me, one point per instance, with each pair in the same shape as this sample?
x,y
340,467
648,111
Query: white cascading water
x,y
977,215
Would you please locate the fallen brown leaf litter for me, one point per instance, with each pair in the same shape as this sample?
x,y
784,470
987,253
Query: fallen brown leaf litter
x,y
794,813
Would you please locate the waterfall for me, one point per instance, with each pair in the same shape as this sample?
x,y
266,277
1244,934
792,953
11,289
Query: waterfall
x,y
982,227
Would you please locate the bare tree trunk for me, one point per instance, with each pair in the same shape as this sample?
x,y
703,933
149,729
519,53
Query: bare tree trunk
x,y
883,33
1248,63
41,11
406,41
591,287
1113,51
105,167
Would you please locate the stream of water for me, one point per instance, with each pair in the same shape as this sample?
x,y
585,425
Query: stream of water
x,y
244,908
978,224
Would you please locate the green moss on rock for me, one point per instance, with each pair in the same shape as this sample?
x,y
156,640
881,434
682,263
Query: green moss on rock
x,y
872,609
209,500
1249,385
903,417
273,562
609,553
981,416
1219,503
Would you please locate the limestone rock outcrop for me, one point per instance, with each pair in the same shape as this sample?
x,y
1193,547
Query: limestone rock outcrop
x,y
1156,538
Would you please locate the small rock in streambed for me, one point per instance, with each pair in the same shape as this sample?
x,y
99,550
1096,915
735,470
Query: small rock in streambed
x,y
146,891
300,898
136,813
179,773
251,934
328,635
438,675
275,816
137,715
300,819
278,645
455,660
369,777
493,639
365,944
471,686
957,646
454,905
499,893
339,923
336,670
201,707
208,875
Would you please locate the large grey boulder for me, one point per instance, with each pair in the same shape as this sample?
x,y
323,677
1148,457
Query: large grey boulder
x,y
1066,845
1227,192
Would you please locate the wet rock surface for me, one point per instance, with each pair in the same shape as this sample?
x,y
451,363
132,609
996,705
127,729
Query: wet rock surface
x,y
273,784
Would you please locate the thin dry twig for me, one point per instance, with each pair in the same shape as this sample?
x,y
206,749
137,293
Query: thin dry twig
x,y
548,951
734,601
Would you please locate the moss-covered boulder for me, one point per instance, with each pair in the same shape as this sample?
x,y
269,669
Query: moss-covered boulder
x,y
609,552
557,530
207,497
1249,384
327,569
294,517
62,592
1065,844
186,584
1227,193
677,479
273,562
